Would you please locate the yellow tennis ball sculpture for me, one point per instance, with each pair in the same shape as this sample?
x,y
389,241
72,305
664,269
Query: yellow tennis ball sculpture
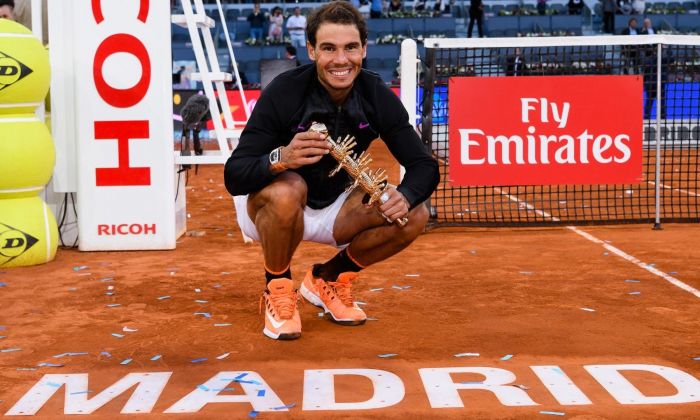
x,y
24,69
28,231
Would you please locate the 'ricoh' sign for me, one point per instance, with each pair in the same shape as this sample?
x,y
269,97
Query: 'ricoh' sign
x,y
124,124
545,130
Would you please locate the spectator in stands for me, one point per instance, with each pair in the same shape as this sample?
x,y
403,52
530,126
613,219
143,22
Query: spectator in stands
x,y
257,21
419,5
7,9
647,29
630,53
290,53
631,28
296,26
515,64
476,13
609,8
276,30
624,7
395,6
575,7
638,7
441,7
375,10
542,7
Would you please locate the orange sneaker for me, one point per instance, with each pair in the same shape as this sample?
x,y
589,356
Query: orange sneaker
x,y
335,297
282,320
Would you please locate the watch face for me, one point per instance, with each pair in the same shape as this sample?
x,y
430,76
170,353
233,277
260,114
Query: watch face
x,y
275,156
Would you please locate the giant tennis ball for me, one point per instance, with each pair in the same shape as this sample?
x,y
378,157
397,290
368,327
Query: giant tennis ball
x,y
27,155
24,69
28,232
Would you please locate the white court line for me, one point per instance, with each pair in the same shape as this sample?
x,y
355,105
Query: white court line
x,y
668,187
620,253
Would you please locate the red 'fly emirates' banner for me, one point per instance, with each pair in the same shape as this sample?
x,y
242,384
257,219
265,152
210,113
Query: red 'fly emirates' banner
x,y
545,130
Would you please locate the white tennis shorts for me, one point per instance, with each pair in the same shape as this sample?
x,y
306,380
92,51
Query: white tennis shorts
x,y
318,224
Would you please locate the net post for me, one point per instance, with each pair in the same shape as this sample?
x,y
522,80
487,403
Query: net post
x,y
657,173
427,110
408,73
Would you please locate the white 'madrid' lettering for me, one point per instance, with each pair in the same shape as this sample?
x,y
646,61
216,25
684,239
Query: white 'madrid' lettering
x,y
560,385
625,393
319,389
208,392
142,400
558,116
442,391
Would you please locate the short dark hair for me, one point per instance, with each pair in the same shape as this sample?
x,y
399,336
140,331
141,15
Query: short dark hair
x,y
10,3
336,11
291,49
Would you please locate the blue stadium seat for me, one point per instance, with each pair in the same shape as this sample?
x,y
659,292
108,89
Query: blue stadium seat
x,y
272,51
246,53
408,26
374,64
379,27
180,35
502,23
690,5
529,24
383,51
242,30
565,22
688,23
440,25
182,53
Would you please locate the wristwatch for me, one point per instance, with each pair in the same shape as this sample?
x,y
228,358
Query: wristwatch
x,y
276,164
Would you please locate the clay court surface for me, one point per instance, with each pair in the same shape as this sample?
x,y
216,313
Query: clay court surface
x,y
495,292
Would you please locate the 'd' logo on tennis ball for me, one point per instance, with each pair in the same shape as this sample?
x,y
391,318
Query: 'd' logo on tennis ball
x,y
14,242
11,71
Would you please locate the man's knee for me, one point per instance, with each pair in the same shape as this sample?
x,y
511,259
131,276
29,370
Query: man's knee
x,y
417,219
283,199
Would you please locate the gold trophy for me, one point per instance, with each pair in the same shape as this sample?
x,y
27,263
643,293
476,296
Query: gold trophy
x,y
373,183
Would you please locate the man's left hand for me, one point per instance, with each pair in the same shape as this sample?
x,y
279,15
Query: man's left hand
x,y
395,206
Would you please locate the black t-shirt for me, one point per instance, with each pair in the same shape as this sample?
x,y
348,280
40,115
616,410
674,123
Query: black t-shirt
x,y
295,99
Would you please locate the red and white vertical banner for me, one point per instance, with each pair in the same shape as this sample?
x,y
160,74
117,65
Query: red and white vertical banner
x,y
123,84
545,130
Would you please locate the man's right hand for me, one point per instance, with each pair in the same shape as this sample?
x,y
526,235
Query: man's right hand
x,y
306,148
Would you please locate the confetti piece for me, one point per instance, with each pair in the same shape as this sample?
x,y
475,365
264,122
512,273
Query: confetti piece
x,y
201,301
163,297
553,413
10,350
109,293
53,384
2,328
397,287
696,358
467,355
634,293
217,286
2,336
202,387
606,253
376,289
673,273
26,369
223,356
80,268
127,329
198,290
320,314
285,407
632,281
253,414
361,303
106,279
114,305
507,357
371,319
204,314
3,284
387,355
82,353
81,392
261,392
412,275
50,365
125,362
105,353
472,251
200,360
526,273
588,309
156,357
225,324
118,335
